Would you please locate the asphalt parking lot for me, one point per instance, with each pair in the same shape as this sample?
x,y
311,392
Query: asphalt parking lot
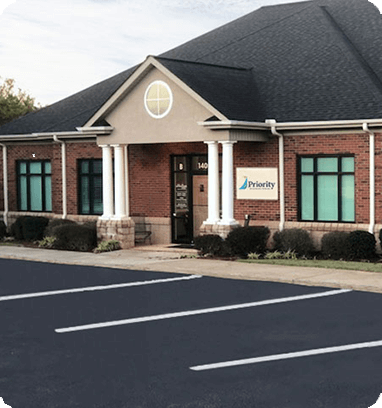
x,y
76,336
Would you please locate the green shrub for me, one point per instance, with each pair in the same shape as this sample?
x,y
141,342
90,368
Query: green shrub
x,y
107,246
211,244
254,255
16,229
29,228
246,240
3,229
273,255
334,245
48,232
294,239
361,245
75,237
47,242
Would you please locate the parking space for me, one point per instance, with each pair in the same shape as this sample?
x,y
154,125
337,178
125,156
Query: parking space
x,y
166,340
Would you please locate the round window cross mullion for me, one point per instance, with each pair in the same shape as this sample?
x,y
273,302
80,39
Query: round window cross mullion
x,y
158,99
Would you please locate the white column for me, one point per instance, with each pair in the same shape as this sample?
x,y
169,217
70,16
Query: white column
x,y
107,182
213,183
119,180
127,189
227,184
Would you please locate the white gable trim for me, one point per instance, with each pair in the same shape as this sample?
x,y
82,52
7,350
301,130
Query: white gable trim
x,y
139,73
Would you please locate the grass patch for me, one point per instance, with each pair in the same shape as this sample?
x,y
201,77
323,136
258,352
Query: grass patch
x,y
315,263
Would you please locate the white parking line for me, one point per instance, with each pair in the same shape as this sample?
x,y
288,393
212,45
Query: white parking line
x,y
197,312
95,288
285,356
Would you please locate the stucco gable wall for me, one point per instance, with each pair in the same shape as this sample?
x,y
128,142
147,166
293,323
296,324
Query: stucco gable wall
x,y
133,125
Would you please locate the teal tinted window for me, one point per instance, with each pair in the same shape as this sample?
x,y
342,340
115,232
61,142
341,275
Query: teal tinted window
x,y
348,201
35,167
85,166
327,189
307,198
307,165
23,168
97,166
90,186
34,186
85,195
327,164
48,193
23,193
347,164
35,193
48,168
327,198
97,195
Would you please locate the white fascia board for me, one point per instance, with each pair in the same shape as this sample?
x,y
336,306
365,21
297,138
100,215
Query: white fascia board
x,y
136,76
336,124
284,126
96,130
44,136
234,124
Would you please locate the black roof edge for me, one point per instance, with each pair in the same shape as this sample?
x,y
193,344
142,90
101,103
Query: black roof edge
x,y
202,63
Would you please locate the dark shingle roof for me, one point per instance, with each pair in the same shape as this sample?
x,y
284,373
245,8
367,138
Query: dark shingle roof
x,y
306,61
230,90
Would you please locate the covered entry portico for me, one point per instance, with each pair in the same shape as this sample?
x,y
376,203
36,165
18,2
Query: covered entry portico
x,y
153,114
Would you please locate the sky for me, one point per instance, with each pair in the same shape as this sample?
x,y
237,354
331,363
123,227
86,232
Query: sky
x,y
56,48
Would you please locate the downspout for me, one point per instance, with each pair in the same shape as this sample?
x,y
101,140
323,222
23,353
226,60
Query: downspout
x,y
372,176
272,123
5,183
63,164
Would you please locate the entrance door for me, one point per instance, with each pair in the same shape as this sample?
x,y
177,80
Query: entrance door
x,y
182,208
189,196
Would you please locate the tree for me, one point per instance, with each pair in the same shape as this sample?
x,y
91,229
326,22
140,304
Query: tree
x,y
14,104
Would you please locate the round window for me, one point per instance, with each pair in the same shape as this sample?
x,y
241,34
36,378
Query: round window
x,y
158,99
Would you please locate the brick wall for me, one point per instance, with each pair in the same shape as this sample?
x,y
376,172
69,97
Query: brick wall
x,y
251,154
355,144
75,151
150,173
48,151
150,176
266,155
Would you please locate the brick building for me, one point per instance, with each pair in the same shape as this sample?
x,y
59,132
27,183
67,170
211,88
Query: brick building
x,y
276,116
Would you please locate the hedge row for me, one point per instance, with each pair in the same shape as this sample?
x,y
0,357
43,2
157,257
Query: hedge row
x,y
240,242
244,241
352,246
64,234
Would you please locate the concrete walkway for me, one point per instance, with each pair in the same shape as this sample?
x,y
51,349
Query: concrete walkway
x,y
170,259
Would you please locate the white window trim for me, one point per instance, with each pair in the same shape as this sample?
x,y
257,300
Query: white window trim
x,y
153,115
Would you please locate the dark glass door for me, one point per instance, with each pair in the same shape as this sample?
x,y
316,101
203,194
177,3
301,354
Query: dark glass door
x,y
182,225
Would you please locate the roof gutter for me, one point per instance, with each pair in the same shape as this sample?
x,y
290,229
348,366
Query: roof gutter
x,y
290,126
5,184
63,167
371,134
85,132
272,124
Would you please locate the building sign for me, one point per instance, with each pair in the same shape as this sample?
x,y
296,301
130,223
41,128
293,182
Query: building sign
x,y
256,183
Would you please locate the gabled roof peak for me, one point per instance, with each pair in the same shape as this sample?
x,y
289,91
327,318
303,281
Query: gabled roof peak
x,y
201,63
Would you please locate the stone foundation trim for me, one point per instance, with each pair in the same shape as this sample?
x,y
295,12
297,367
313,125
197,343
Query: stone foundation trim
x,y
217,229
120,230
